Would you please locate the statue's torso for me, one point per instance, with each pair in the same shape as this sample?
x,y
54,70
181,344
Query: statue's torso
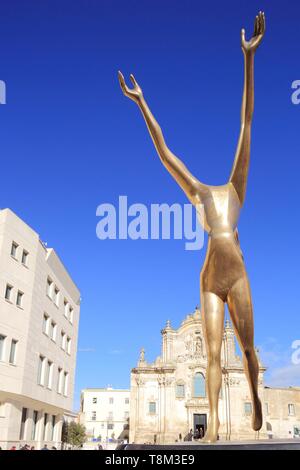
x,y
224,263
220,207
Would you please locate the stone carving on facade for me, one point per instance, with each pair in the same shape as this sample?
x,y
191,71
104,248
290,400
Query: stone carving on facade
x,y
161,379
193,349
231,381
170,380
199,346
189,344
140,381
142,355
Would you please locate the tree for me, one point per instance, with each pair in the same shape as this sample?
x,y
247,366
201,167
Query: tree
x,y
64,433
74,434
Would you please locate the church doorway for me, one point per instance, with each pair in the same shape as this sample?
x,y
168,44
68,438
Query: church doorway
x,y
200,425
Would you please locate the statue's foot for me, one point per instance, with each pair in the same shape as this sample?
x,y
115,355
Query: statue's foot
x,y
211,434
257,418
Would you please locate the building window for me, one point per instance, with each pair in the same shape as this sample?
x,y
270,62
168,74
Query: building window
x,y
53,419
94,416
2,347
49,287
56,296
110,426
111,400
59,379
94,400
66,379
8,292
180,392
14,250
23,423
71,315
25,257
46,324
41,367
45,426
126,415
267,408
20,298
66,308
110,416
13,351
199,385
34,425
63,338
248,408
68,345
53,331
48,375
152,407
291,409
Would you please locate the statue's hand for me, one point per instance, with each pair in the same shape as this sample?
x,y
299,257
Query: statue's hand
x,y
135,93
259,31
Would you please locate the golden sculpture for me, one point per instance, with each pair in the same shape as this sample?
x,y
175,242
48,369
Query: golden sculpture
x,y
223,277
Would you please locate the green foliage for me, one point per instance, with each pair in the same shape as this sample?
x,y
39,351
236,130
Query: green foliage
x,y
64,432
73,434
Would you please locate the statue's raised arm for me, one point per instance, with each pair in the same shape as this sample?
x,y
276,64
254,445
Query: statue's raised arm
x,y
173,164
240,168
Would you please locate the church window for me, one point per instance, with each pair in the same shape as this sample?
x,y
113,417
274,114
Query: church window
x,y
267,408
248,408
199,385
291,408
180,392
152,407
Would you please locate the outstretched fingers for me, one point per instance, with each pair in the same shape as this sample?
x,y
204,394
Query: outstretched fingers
x,y
133,81
263,19
260,24
256,26
243,36
122,82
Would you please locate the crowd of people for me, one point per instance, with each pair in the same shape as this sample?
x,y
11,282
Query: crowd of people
x,y
27,447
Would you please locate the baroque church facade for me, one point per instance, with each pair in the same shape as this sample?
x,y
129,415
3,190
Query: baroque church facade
x,y
168,397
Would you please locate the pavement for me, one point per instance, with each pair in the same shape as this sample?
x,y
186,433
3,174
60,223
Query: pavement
x,y
261,444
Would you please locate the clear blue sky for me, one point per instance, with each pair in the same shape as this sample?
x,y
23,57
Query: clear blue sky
x,y
70,141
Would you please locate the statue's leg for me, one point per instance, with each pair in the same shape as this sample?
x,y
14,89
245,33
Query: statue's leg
x,y
213,326
241,313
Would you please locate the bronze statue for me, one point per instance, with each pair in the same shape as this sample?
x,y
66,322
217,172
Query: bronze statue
x,y
223,277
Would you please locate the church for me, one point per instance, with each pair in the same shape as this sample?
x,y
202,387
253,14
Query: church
x,y
168,397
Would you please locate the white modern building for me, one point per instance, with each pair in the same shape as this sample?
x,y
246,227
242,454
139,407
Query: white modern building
x,y
39,315
105,413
